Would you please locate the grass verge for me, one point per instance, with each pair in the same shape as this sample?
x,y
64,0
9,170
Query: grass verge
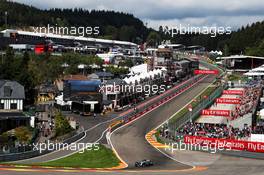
x,y
102,158
194,103
157,135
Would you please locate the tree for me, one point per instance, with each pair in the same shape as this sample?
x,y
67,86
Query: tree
x,y
226,50
111,31
256,51
153,39
127,63
62,125
127,33
4,139
23,134
9,69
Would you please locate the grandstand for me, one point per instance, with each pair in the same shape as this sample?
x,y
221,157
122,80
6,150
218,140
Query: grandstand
x,y
10,36
238,124
217,106
241,63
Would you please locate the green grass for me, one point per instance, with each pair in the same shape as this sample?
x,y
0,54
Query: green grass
x,y
194,103
102,158
236,77
157,135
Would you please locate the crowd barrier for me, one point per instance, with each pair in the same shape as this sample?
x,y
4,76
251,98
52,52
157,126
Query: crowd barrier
x,y
227,144
162,98
34,153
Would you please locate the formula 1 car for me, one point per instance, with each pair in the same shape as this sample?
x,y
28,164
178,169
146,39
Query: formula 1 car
x,y
144,163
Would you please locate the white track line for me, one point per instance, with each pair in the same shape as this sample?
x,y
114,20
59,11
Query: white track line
x,y
165,122
142,116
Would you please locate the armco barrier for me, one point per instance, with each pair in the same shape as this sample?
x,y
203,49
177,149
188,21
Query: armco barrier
x,y
174,124
35,153
162,98
115,125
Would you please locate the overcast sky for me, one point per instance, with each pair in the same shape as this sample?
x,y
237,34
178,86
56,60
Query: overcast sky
x,y
234,13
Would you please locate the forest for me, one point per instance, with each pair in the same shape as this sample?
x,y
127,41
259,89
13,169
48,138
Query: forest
x,y
247,39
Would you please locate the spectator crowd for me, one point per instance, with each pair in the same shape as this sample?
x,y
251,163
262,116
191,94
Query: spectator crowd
x,y
214,131
249,100
259,128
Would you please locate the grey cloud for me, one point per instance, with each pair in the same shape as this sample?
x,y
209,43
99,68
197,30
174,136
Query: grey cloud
x,y
208,11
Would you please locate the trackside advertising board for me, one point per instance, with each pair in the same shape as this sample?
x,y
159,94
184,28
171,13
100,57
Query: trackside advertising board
x,y
233,92
200,71
225,113
228,100
228,144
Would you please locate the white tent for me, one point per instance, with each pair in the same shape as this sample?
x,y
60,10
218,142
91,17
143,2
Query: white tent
x,y
259,71
261,113
254,74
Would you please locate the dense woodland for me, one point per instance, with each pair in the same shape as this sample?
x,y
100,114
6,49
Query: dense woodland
x,y
123,26
113,25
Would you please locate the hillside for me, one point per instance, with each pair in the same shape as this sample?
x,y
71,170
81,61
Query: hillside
x,y
241,41
113,25
123,26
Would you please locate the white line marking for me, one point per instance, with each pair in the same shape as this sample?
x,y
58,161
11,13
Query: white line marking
x,y
144,115
169,119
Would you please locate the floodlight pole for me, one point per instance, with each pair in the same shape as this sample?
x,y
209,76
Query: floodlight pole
x,y
6,19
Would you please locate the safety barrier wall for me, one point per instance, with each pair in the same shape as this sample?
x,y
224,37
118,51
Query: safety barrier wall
x,y
175,123
34,153
163,98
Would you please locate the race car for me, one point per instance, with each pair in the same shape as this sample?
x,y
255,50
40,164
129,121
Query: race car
x,y
144,163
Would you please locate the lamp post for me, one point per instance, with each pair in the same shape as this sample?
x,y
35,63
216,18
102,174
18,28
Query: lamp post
x,y
190,110
104,75
6,19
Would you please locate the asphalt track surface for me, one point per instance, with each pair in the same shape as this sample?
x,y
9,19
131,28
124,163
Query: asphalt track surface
x,y
93,134
225,165
130,143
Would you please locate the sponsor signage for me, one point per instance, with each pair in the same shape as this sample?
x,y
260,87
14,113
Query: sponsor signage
x,y
229,144
200,71
190,108
225,113
39,49
228,100
233,92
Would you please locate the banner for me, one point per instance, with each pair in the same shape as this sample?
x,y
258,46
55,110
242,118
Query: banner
x,y
200,71
228,100
229,144
39,49
225,113
233,92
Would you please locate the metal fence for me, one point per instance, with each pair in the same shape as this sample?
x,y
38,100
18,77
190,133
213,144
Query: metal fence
x,y
34,153
183,86
175,123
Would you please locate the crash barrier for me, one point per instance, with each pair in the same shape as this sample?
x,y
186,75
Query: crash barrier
x,y
162,98
225,144
178,121
115,125
34,153
168,95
